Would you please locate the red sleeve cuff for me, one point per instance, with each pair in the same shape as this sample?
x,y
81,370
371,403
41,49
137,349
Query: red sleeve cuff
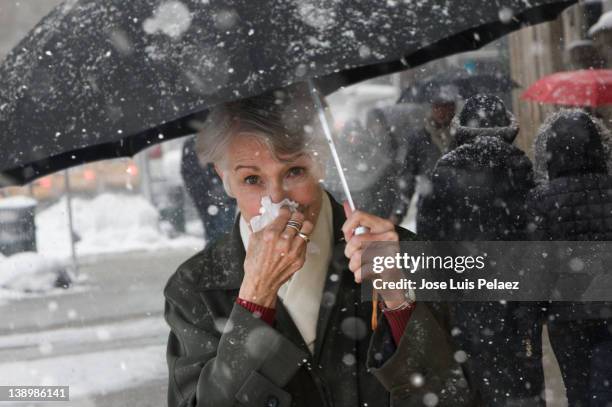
x,y
398,320
266,314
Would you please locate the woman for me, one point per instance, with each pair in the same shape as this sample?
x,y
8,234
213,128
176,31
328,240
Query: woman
x,y
273,317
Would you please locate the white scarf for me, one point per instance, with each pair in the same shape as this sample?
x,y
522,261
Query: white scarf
x,y
303,292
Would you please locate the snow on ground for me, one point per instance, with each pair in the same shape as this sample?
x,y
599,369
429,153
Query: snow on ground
x,y
17,202
78,364
90,373
9,294
31,272
109,223
47,340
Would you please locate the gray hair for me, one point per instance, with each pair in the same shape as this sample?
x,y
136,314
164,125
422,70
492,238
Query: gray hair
x,y
285,120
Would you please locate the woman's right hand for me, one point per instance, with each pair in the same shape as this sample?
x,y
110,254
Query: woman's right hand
x,y
274,254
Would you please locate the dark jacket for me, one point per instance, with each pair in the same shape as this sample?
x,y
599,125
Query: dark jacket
x,y
572,207
539,146
478,192
219,354
370,175
412,152
206,191
374,162
575,204
420,157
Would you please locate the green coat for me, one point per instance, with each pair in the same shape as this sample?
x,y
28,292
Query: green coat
x,y
220,355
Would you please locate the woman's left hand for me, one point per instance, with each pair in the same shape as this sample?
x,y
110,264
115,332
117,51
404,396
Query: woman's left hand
x,y
380,230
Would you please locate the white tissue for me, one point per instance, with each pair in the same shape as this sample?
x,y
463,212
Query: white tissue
x,y
269,211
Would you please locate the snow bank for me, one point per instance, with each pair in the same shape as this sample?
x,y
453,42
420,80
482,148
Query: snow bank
x,y
31,272
108,223
171,164
17,202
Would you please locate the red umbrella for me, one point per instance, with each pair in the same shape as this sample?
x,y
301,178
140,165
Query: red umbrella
x,y
588,87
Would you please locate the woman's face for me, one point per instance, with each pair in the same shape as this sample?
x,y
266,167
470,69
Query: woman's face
x,y
253,172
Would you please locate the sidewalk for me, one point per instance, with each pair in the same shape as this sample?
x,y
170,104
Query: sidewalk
x,y
116,287
105,338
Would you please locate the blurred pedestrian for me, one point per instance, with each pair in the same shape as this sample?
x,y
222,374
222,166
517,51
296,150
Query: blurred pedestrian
x,y
368,157
424,144
215,209
540,162
575,204
388,195
478,192
601,372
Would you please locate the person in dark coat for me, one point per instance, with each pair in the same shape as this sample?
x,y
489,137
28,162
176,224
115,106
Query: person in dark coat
x,y
372,166
271,313
368,171
601,371
479,189
215,208
478,192
576,204
392,126
424,145
539,147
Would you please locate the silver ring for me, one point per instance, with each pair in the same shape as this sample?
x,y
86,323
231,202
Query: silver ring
x,y
293,227
295,224
304,236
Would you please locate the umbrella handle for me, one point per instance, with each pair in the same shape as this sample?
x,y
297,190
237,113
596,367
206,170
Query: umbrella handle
x,y
360,230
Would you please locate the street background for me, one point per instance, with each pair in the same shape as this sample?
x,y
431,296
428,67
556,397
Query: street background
x,y
64,336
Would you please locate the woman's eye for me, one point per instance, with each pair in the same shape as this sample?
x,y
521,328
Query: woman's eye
x,y
251,180
297,171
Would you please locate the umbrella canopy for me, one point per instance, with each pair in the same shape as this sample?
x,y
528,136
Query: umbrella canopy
x,y
456,84
99,79
587,87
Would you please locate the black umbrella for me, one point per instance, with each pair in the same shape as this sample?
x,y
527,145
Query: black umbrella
x,y
99,79
458,84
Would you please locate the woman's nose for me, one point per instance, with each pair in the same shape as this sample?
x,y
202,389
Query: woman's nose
x,y
277,192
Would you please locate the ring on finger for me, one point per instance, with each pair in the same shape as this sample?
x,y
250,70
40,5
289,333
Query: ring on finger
x,y
304,236
294,224
294,227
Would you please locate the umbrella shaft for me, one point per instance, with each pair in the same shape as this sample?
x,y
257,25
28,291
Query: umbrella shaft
x,y
330,142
